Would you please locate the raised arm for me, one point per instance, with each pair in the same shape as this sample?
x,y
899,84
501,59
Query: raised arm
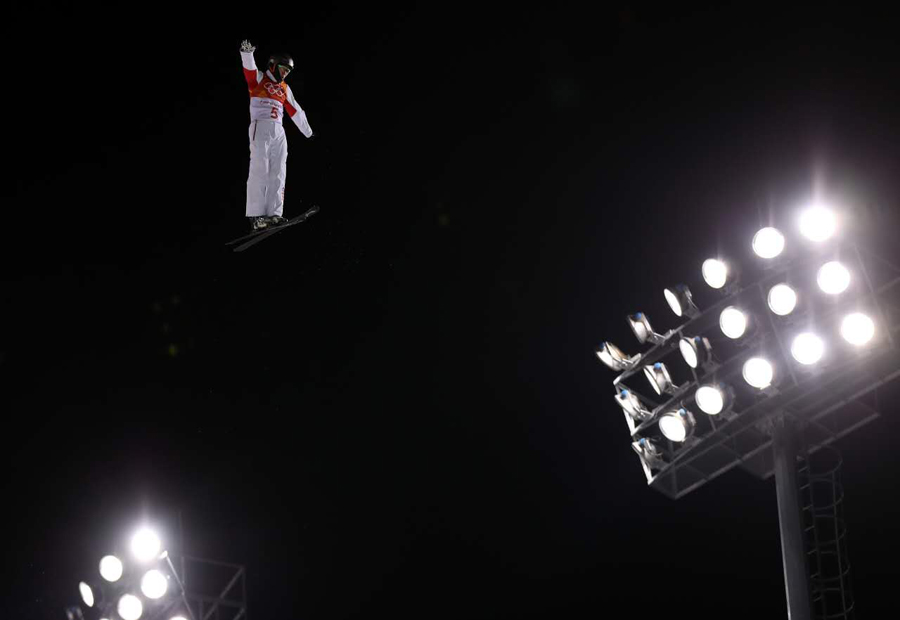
x,y
251,73
296,113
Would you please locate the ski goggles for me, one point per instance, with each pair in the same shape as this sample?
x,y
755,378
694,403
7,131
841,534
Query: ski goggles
x,y
284,70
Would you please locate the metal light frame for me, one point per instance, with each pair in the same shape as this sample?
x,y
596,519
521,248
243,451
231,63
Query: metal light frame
x,y
828,403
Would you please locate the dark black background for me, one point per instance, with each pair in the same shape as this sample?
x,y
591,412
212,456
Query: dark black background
x,y
395,408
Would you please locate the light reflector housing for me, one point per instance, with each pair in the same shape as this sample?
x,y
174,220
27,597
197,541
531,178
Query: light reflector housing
x,y
631,404
649,453
640,325
857,328
612,356
711,399
768,242
677,425
681,301
696,351
659,378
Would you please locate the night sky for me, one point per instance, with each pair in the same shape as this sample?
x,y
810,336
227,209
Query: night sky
x,y
395,407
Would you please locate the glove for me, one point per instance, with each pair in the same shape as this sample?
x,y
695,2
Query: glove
x,y
246,46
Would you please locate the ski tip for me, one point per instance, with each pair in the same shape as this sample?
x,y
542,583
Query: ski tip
x,y
313,209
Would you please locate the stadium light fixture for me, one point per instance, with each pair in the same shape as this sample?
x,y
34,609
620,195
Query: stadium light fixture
x,y
817,223
768,242
677,425
681,301
758,372
782,299
111,568
145,544
713,399
696,351
733,322
857,328
833,278
715,272
659,378
648,451
154,584
807,348
612,356
87,594
640,325
130,607
631,404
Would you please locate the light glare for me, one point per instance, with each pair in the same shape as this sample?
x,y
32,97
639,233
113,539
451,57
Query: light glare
x,y
130,607
817,223
87,595
715,272
807,348
768,242
833,278
673,302
782,299
733,322
154,584
710,399
110,568
758,372
145,544
857,328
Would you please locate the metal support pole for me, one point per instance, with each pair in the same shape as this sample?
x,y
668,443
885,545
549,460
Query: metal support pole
x,y
793,553
183,591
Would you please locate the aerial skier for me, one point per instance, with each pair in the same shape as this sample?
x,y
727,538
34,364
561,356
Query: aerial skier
x,y
270,98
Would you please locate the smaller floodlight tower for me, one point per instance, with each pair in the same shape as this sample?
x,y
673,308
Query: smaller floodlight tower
x,y
143,584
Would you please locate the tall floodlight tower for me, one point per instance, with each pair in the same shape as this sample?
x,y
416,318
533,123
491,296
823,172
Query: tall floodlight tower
x,y
779,368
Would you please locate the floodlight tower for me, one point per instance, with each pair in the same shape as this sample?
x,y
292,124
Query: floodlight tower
x,y
145,585
779,368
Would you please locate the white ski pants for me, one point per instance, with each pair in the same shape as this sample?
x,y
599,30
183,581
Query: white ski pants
x,y
268,169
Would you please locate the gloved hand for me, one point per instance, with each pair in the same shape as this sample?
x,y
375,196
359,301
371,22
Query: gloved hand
x,y
246,46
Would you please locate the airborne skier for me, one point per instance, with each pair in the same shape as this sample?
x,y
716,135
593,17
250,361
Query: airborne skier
x,y
270,98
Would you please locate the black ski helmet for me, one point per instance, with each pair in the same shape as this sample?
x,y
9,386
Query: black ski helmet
x,y
280,59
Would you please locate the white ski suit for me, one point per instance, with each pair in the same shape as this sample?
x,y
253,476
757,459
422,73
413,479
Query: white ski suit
x,y
269,99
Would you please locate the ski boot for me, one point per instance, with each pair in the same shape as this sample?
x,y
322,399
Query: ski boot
x,y
277,220
259,223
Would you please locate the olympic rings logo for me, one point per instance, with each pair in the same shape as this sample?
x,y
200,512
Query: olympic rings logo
x,y
273,89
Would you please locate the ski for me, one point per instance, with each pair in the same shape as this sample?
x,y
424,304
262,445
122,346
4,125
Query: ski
x,y
258,235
